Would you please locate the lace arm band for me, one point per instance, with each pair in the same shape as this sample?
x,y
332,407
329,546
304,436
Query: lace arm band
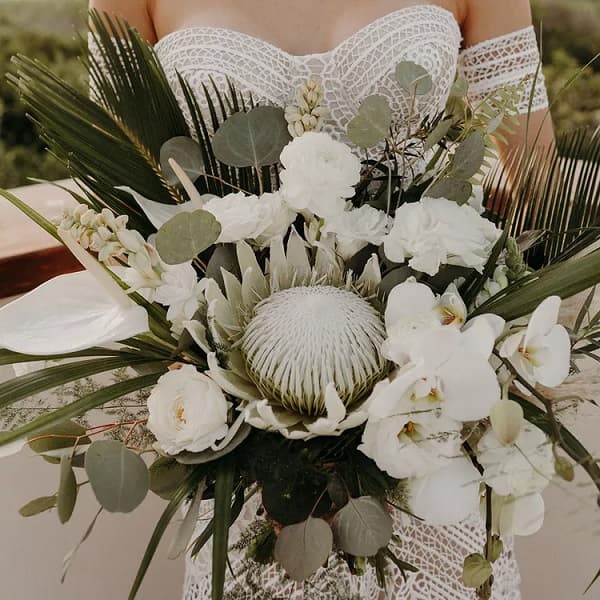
x,y
506,60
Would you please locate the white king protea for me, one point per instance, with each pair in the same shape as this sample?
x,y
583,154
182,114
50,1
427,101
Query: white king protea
x,y
299,345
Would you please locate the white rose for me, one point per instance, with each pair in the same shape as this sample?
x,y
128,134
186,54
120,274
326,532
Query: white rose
x,y
188,411
356,228
526,467
275,218
239,216
251,217
437,231
180,291
319,174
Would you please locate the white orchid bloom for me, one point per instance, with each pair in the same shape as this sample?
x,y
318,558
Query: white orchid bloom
x,y
525,467
413,309
71,312
406,434
446,496
13,447
542,352
523,515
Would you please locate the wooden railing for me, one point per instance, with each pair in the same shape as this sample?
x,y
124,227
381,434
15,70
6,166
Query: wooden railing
x,y
28,255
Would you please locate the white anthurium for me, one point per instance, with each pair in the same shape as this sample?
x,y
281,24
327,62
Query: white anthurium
x,y
522,515
541,353
72,312
413,309
525,467
406,433
12,448
159,213
448,495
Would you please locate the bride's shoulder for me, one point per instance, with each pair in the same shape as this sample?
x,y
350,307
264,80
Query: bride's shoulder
x,y
488,19
137,13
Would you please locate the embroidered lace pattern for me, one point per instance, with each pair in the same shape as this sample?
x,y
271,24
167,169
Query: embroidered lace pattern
x,y
506,60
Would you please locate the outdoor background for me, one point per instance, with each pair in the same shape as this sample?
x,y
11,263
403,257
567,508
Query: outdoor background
x,y
556,563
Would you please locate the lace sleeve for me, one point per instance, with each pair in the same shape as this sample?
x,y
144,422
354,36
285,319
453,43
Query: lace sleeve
x,y
506,60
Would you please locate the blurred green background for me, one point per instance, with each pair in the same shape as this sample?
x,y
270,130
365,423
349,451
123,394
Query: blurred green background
x,y
48,30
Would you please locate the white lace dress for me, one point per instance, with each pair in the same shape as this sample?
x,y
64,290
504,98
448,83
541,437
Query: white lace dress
x,y
360,66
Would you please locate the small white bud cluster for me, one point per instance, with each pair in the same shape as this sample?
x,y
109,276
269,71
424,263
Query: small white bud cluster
x,y
108,236
307,114
493,285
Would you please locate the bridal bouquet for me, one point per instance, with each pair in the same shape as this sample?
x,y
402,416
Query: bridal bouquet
x,y
346,338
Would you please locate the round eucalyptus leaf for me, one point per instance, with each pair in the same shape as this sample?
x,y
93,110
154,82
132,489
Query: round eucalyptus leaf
x,y
476,570
372,123
69,429
186,235
457,190
414,78
187,153
252,139
166,475
362,527
38,506
438,134
67,490
469,156
302,548
118,476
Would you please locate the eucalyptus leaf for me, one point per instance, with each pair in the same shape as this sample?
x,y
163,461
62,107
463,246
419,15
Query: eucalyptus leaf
x,y
187,154
166,475
38,506
252,139
67,490
186,235
188,525
362,527
49,444
372,124
414,78
469,156
118,476
302,548
476,570
438,134
457,190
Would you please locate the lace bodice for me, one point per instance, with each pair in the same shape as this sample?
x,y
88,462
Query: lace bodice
x,y
359,66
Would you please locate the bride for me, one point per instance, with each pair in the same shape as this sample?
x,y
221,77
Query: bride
x,y
269,48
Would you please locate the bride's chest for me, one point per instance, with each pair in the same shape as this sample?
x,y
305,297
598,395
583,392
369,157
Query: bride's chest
x,y
361,65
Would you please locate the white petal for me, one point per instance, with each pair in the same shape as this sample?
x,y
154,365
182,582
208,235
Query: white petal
x,y
407,300
13,447
297,258
336,411
543,319
449,495
195,197
495,322
158,213
480,337
198,333
371,276
231,383
555,368
230,434
528,516
66,314
510,346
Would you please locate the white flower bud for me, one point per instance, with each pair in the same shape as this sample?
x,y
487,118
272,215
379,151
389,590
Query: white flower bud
x,y
507,417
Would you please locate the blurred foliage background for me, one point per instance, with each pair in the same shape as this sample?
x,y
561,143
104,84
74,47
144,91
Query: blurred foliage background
x,y
49,30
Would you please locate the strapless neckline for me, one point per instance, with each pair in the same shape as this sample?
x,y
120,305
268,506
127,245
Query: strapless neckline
x,y
443,12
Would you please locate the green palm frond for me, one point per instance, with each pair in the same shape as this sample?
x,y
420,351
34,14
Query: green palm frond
x,y
555,191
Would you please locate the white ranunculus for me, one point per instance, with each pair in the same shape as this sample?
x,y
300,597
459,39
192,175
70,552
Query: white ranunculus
x,y
406,434
412,309
180,291
356,228
542,352
526,467
446,496
187,411
437,231
319,174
